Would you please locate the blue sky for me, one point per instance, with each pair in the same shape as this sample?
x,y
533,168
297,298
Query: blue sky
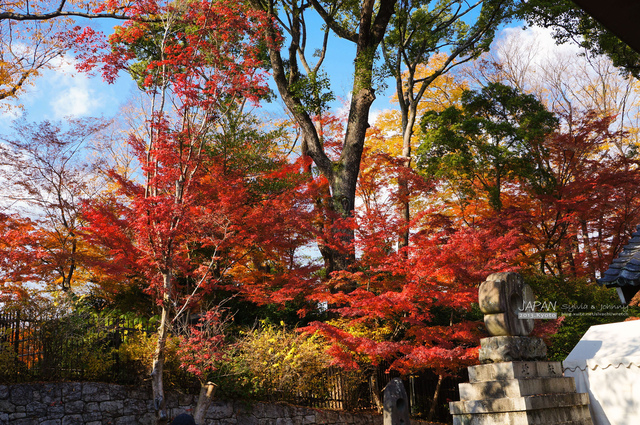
x,y
63,92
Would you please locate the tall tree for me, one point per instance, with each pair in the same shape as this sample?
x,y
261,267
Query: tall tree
x,y
568,81
197,63
364,25
420,29
389,138
411,27
496,135
577,224
597,108
413,309
47,172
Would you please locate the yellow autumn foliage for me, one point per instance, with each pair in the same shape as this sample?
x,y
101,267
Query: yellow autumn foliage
x,y
443,92
277,359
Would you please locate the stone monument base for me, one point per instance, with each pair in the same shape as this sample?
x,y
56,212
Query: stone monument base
x,y
520,393
498,349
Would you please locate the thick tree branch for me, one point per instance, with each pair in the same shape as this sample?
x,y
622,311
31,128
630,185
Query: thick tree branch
x,y
311,140
58,14
385,12
340,31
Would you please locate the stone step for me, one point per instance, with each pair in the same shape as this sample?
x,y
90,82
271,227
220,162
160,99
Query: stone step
x,y
515,388
532,402
514,370
578,415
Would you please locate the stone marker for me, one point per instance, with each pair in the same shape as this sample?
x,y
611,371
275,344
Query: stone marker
x,y
501,297
515,385
395,404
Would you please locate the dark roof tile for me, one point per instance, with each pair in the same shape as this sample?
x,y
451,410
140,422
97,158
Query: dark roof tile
x,y
625,270
629,275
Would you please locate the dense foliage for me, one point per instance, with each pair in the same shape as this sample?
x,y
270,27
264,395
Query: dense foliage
x,y
267,252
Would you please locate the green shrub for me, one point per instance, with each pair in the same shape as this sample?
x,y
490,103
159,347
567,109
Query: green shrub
x,y
580,293
78,346
136,361
10,366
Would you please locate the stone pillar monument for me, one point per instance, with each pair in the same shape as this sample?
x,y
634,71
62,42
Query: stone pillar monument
x,y
515,384
396,404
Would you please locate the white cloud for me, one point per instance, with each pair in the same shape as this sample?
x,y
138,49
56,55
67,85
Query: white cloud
x,y
374,114
63,92
539,41
72,94
534,54
74,97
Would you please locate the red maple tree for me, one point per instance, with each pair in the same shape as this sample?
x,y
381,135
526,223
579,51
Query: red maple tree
x,y
187,219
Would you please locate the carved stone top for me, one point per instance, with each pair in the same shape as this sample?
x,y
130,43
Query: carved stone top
x,y
395,404
501,297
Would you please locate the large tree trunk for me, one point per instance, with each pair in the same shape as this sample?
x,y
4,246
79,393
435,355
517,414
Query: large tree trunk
x,y
408,121
157,386
343,173
347,168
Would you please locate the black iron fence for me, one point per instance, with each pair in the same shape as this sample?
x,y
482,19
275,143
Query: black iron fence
x,y
87,347
75,347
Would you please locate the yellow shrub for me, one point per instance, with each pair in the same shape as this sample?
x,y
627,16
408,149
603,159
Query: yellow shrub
x,y
276,359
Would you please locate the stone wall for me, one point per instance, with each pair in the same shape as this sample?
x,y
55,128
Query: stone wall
x,y
101,404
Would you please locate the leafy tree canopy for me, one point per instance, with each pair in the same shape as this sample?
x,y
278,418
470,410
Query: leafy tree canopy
x,y
494,135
